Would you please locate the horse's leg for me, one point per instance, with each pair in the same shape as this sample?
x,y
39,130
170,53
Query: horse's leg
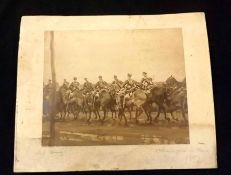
x,y
67,111
104,114
149,118
165,114
89,118
77,112
72,110
61,112
136,115
173,116
93,110
130,112
183,114
120,115
97,111
112,113
182,110
125,120
115,114
96,114
158,114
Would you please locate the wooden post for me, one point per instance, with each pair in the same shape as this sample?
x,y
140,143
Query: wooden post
x,y
53,105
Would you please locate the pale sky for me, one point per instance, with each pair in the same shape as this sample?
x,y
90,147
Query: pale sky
x,y
159,52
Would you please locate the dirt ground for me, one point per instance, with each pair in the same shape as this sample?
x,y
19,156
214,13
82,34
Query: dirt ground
x,y
79,133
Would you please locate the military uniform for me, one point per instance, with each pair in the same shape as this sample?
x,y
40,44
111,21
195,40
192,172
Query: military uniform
x,y
74,85
101,85
88,87
146,82
117,82
129,85
65,85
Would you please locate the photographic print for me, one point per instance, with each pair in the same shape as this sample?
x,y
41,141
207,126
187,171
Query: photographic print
x,y
115,87
114,93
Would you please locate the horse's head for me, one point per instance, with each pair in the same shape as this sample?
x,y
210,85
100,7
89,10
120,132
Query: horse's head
x,y
171,81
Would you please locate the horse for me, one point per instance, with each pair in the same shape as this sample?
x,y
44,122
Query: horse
x,y
123,102
140,100
64,101
158,95
169,99
173,83
91,105
106,103
48,107
75,102
177,100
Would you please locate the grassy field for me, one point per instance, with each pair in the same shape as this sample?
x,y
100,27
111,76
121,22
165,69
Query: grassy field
x,y
79,133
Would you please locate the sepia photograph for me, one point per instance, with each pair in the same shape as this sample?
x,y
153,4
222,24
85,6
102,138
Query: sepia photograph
x,y
114,93
114,87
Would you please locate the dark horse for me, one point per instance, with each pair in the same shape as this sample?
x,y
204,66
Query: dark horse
x,y
75,103
90,105
47,103
107,103
169,97
94,101
123,102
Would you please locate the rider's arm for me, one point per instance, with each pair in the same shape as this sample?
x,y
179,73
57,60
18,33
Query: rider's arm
x,y
124,83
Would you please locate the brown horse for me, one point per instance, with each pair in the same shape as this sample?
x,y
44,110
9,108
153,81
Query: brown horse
x,y
158,96
169,99
106,102
140,100
64,100
75,103
47,103
90,105
177,100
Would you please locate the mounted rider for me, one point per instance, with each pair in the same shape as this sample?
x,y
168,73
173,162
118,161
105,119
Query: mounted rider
x,y
99,86
117,83
74,85
146,82
87,87
129,86
65,85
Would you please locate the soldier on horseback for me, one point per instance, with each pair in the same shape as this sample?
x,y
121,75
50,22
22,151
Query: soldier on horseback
x,y
146,82
117,82
87,86
129,86
65,85
99,86
74,85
